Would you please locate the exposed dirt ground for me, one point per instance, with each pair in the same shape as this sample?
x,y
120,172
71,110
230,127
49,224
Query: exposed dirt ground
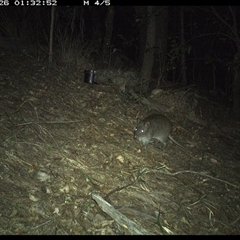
x,y
61,140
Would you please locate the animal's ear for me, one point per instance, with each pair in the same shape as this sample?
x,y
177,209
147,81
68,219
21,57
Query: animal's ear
x,y
147,124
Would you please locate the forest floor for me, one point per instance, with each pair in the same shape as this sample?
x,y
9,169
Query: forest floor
x,y
65,144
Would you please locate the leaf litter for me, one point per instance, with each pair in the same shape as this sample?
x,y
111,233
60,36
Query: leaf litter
x,y
69,163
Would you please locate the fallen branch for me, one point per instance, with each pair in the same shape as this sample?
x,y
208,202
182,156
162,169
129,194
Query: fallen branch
x,y
119,217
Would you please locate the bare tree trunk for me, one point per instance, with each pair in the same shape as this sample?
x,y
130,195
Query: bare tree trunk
x,y
148,59
51,36
161,43
141,13
107,39
236,66
183,57
96,25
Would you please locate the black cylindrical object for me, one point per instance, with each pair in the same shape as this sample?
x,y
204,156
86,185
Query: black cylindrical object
x,y
89,76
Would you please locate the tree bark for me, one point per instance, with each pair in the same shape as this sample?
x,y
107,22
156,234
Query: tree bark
x,y
141,13
236,66
51,36
148,59
183,57
108,36
161,44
